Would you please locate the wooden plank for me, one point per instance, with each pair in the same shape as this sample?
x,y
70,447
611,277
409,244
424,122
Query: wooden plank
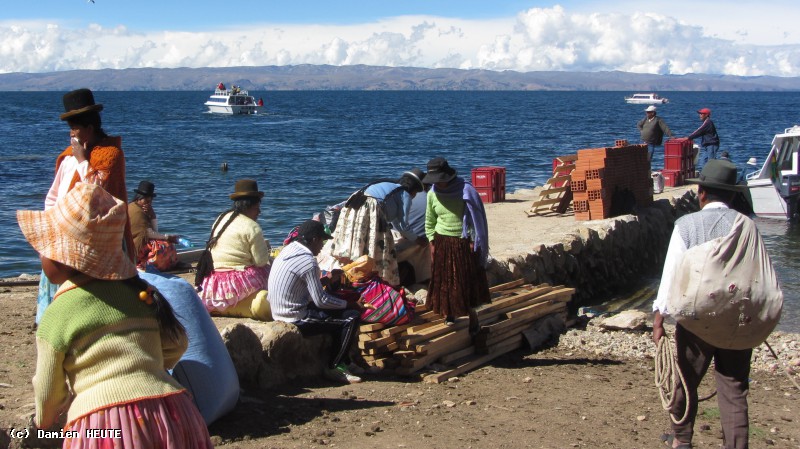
x,y
546,202
418,328
372,327
560,296
453,356
475,362
442,341
367,336
499,307
376,343
410,366
383,349
384,363
507,285
408,341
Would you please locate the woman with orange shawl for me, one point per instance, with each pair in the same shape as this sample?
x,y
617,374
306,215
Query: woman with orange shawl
x,y
93,157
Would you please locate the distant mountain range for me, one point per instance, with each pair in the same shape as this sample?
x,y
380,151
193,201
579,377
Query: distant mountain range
x,y
362,77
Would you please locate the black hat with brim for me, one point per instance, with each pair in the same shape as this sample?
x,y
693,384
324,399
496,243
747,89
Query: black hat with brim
x,y
146,188
439,171
78,102
719,174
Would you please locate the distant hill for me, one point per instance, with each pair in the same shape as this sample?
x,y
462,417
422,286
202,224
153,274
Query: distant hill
x,y
361,77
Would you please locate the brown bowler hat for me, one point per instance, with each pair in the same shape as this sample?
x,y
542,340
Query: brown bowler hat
x,y
78,102
246,188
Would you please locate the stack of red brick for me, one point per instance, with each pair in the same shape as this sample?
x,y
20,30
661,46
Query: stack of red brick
x,y
678,162
605,174
490,182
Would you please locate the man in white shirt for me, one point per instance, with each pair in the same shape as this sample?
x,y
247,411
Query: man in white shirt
x,y
716,191
296,296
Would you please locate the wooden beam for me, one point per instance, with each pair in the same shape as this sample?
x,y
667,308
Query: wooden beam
x,y
507,285
476,362
377,343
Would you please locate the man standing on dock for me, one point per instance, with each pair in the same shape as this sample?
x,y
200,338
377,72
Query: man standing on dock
x,y
716,238
652,129
709,140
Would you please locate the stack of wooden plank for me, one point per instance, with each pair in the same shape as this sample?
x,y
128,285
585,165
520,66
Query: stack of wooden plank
x,y
407,349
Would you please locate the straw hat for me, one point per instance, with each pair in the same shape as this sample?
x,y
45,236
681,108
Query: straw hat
x,y
246,188
751,161
78,102
84,230
719,174
650,108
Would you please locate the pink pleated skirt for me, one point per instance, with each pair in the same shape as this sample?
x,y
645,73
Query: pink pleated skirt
x,y
169,422
223,289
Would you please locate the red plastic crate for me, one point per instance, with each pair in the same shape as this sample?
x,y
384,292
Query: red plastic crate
x,y
681,147
483,177
487,194
673,178
674,162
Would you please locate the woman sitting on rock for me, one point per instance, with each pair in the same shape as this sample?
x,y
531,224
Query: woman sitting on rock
x,y
150,246
238,284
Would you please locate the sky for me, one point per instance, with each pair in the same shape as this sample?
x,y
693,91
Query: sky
x,y
746,37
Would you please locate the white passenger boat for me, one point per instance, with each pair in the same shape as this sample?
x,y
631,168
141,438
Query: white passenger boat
x,y
775,188
650,98
233,101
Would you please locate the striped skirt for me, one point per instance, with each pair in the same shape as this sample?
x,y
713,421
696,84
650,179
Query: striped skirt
x,y
169,422
458,281
223,289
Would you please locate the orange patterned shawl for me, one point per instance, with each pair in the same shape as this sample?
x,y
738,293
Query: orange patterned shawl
x,y
106,169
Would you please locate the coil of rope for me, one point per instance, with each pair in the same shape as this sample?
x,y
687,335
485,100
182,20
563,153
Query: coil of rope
x,y
669,378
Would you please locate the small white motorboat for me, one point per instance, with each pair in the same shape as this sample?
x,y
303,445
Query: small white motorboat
x,y
233,101
650,98
775,188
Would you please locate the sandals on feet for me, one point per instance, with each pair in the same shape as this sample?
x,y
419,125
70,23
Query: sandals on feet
x,y
669,438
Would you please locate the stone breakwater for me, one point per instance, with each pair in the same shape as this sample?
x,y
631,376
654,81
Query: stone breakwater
x,y
638,345
597,257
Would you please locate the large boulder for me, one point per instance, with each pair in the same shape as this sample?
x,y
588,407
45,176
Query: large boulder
x,y
270,354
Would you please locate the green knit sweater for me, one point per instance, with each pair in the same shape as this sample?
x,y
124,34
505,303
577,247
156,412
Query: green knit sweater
x,y
110,351
444,216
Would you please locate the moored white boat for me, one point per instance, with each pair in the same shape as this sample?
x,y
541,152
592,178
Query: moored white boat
x,y
775,189
649,98
232,101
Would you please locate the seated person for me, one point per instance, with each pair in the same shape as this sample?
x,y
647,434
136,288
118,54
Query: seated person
x,y
296,296
150,246
750,167
237,286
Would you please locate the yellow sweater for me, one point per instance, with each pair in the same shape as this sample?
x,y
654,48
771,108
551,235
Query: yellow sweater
x,y
242,245
110,351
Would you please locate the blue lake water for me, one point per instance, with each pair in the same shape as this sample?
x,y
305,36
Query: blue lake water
x,y
312,149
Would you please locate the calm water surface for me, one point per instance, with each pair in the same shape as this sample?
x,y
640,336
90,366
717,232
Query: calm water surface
x,y
312,149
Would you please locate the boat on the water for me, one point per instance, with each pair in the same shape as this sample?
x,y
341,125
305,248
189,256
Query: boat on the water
x,y
650,98
233,101
775,188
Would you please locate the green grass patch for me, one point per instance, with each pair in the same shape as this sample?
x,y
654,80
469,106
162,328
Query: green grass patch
x,y
757,432
710,413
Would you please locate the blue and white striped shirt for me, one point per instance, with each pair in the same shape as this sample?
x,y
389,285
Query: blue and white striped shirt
x,y
294,284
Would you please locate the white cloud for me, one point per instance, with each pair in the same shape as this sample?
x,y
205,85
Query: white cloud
x,y
537,39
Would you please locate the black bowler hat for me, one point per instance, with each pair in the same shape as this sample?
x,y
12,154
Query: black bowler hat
x,y
246,188
439,171
78,102
146,188
417,175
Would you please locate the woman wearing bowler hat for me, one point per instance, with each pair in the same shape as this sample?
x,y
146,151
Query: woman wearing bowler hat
x,y
93,157
150,246
238,284
455,224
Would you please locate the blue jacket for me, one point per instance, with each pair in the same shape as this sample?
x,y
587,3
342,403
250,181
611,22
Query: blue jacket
x,y
707,133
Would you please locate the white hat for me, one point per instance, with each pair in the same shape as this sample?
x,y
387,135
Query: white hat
x,y
751,161
650,108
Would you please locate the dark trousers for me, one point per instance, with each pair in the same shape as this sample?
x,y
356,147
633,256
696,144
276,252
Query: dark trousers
x,y
341,325
731,369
